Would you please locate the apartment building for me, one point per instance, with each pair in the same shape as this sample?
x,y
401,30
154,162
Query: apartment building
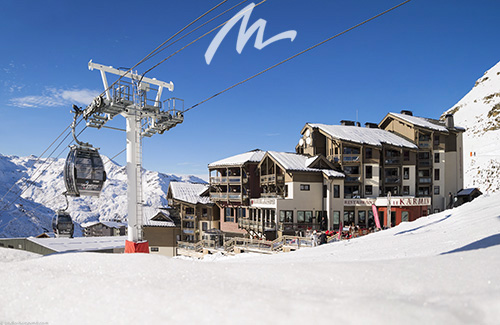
x,y
404,155
192,205
233,182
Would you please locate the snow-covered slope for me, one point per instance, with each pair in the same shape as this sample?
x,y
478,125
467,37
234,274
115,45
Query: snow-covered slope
x,y
479,113
32,213
440,269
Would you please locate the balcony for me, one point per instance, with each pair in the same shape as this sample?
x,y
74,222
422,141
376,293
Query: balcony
x,y
392,161
289,226
392,180
424,144
227,196
352,179
218,180
259,226
425,163
189,217
425,180
266,179
350,158
188,231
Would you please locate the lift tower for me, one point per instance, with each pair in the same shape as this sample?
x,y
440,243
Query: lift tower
x,y
138,99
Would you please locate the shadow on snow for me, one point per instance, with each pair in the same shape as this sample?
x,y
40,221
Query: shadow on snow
x,y
414,229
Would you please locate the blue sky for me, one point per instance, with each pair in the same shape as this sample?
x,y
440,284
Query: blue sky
x,y
423,56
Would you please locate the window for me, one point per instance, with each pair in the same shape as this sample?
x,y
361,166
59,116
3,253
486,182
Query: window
x,y
325,191
286,190
336,150
351,151
336,219
406,155
305,187
300,216
406,173
436,190
155,249
204,212
436,157
368,172
351,191
362,218
336,191
351,170
228,216
406,190
423,191
436,174
436,139
189,210
368,190
309,216
348,218
368,153
405,216
286,216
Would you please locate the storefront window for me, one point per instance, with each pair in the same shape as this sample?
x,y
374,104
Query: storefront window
x,y
336,219
405,216
362,218
300,216
309,216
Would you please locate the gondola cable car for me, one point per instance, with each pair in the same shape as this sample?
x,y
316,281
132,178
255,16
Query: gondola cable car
x,y
84,172
62,224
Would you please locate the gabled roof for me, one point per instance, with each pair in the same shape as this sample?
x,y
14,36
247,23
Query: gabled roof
x,y
161,219
368,136
297,162
421,122
239,160
189,192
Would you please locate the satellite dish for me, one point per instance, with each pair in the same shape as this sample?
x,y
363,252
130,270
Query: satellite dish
x,y
308,132
301,142
308,141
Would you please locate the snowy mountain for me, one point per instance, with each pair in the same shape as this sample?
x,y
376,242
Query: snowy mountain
x,y
440,269
31,214
479,113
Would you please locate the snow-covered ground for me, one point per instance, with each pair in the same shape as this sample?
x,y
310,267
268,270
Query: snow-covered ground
x,y
442,269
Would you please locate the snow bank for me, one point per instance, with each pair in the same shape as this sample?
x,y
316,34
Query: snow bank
x,y
439,269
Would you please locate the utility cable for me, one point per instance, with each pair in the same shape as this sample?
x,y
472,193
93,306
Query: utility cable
x,y
296,55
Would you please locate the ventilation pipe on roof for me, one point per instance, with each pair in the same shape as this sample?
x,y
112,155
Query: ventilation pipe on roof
x,y
347,123
449,122
371,125
407,112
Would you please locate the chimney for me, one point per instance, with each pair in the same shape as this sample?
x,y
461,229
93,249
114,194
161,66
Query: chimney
x,y
406,112
358,124
449,122
347,123
371,125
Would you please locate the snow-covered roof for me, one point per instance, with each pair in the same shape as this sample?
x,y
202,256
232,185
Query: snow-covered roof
x,y
166,222
296,162
189,192
374,137
109,224
239,160
80,244
421,121
332,173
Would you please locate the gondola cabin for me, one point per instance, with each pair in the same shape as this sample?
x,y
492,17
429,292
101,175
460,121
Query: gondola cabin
x,y
84,173
62,224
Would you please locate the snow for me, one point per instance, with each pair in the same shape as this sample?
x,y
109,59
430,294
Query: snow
x,y
421,121
478,111
190,192
80,243
441,269
296,162
374,137
239,160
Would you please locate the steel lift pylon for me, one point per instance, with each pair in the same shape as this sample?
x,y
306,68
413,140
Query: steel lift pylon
x,y
145,116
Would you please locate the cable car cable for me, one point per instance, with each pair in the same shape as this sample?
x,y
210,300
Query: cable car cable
x,y
196,40
296,55
147,57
